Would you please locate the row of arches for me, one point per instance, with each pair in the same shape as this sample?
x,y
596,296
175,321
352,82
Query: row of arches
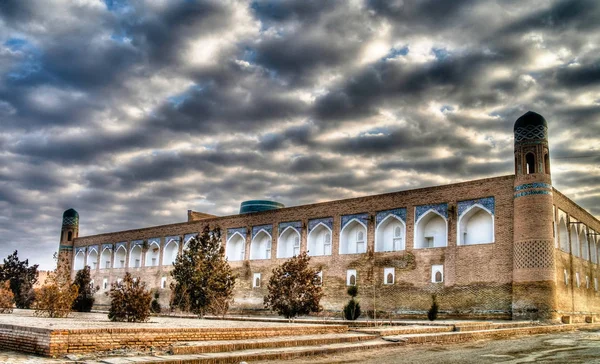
x,y
475,226
577,240
122,258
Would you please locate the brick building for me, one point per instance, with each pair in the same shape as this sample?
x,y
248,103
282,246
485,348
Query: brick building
x,y
502,247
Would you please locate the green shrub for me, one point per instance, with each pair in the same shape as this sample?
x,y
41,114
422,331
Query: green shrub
x,y
85,297
433,311
155,306
352,308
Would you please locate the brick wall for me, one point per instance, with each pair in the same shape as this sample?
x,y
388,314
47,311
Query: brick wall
x,y
476,278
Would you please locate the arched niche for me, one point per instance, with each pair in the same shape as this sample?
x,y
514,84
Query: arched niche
x,y
431,231
593,250
585,248
353,238
319,240
563,235
105,258
152,255
260,247
575,248
530,163
390,235
235,247
475,226
170,252
120,257
135,257
79,262
92,258
288,244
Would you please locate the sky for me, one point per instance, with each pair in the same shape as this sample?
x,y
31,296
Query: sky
x,y
133,112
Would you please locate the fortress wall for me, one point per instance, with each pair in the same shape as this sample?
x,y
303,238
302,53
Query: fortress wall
x,y
572,300
477,278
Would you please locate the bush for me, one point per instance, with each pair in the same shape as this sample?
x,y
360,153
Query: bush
x,y
352,308
433,311
22,277
7,298
85,298
294,288
203,279
129,300
155,306
55,298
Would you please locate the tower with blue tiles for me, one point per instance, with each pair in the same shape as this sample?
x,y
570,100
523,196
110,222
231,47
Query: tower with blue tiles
x,y
534,274
68,233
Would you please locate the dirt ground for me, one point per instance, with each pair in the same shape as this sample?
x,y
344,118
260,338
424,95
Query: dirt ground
x,y
573,347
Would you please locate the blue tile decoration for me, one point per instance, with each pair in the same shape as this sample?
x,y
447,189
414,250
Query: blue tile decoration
x,y
137,243
531,132
528,193
242,231
527,186
441,208
187,237
399,213
169,238
107,246
80,249
267,228
153,241
297,225
364,218
327,221
487,202
121,244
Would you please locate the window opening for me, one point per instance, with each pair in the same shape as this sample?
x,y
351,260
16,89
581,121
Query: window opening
x,y
530,160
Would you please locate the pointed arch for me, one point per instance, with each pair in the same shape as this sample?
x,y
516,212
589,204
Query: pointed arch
x,y
120,257
353,237
475,226
79,261
106,258
431,230
563,235
260,246
574,236
583,241
530,163
152,254
92,258
390,234
235,248
170,252
288,244
319,240
135,256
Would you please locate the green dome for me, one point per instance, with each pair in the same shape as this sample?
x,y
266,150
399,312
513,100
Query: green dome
x,y
530,119
70,217
259,205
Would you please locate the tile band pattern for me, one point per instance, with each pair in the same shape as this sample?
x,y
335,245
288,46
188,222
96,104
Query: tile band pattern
x,y
257,229
242,231
364,218
487,202
296,225
441,208
327,221
529,193
527,186
399,213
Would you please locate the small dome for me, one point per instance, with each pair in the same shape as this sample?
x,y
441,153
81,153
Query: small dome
x,y
259,205
70,218
530,118
70,213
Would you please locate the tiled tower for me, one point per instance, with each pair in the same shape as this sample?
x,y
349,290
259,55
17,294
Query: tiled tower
x,y
534,276
68,233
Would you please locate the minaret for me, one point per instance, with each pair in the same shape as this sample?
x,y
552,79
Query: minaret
x,y
68,233
534,276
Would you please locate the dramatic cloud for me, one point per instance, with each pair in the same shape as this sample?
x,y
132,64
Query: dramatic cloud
x,y
134,111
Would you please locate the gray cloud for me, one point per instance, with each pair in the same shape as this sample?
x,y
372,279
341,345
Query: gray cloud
x,y
133,112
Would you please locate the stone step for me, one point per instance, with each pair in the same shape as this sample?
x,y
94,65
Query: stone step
x,y
199,347
494,334
236,357
403,330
